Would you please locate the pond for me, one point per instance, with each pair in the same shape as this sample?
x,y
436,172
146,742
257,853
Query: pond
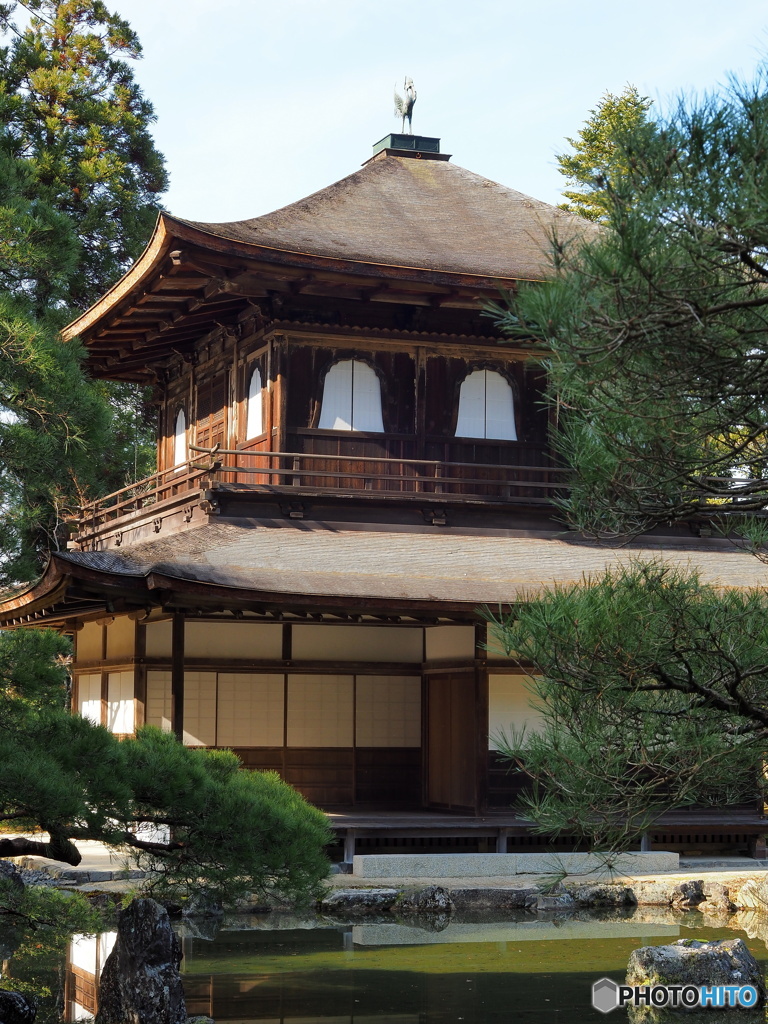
x,y
283,969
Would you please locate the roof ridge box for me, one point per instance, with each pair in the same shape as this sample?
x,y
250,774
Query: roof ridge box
x,y
421,147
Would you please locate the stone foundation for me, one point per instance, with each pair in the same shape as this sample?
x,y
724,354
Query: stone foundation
x,y
502,865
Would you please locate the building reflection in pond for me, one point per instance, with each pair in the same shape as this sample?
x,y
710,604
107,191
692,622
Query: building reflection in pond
x,y
287,969
86,956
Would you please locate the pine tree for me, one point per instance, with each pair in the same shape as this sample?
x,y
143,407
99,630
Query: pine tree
x,y
598,154
79,181
653,695
51,416
76,116
193,817
654,331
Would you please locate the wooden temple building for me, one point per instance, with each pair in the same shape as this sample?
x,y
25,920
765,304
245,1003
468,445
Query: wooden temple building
x,y
351,462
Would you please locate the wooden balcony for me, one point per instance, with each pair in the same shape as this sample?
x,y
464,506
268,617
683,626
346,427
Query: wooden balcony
x,y
320,462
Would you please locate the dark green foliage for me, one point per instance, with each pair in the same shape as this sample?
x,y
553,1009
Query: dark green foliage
x,y
655,332
78,119
51,420
233,831
34,667
654,692
199,821
35,928
79,179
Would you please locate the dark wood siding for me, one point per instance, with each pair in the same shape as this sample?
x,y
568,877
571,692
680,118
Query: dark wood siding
x,y
211,415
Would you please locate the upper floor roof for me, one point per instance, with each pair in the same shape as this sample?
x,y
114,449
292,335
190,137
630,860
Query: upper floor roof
x,y
408,228
414,214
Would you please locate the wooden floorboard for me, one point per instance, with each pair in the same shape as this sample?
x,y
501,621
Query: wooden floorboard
x,y
426,822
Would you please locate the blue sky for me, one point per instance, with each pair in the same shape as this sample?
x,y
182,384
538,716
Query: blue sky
x,y
262,102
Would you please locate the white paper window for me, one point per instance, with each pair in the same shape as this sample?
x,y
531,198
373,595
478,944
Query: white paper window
x,y
351,398
320,711
180,439
255,415
486,407
120,717
200,709
249,710
158,706
89,696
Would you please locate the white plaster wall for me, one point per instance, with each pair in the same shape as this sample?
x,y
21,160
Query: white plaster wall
x,y
121,637
233,640
82,952
356,643
159,639
89,642
509,704
450,643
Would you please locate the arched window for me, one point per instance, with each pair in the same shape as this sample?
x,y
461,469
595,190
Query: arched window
x,y
351,398
255,418
486,407
180,439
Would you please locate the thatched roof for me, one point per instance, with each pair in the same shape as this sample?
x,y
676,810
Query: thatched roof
x,y
420,213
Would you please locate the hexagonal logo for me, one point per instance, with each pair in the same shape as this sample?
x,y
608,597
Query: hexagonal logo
x,y
605,995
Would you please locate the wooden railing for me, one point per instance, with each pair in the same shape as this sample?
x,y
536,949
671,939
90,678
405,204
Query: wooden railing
x,y
513,482
140,496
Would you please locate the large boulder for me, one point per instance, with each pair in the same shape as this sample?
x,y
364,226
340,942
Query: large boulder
x,y
429,908
688,962
680,895
687,895
16,1008
753,895
140,983
718,899
359,901
597,894
501,898
431,900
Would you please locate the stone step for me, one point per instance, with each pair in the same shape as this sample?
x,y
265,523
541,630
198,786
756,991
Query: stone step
x,y
496,865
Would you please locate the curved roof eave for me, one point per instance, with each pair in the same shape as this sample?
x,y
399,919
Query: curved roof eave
x,y
196,233
157,247
170,230
43,592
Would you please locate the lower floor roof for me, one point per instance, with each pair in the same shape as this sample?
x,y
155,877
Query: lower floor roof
x,y
316,565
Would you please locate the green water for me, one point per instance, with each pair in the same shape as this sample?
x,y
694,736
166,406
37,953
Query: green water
x,y
297,972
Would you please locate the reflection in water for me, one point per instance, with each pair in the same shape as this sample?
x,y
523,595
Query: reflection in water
x,y
86,956
282,969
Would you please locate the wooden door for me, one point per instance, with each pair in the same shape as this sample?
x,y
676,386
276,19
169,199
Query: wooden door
x,y
212,402
455,740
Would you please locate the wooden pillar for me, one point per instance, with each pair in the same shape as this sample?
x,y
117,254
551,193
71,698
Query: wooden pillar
x,y
421,405
177,675
758,848
349,846
139,675
481,712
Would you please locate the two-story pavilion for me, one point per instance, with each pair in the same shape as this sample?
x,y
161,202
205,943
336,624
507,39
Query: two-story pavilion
x,y
350,464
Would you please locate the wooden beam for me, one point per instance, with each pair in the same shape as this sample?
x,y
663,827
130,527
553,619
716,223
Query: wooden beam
x,y
177,675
